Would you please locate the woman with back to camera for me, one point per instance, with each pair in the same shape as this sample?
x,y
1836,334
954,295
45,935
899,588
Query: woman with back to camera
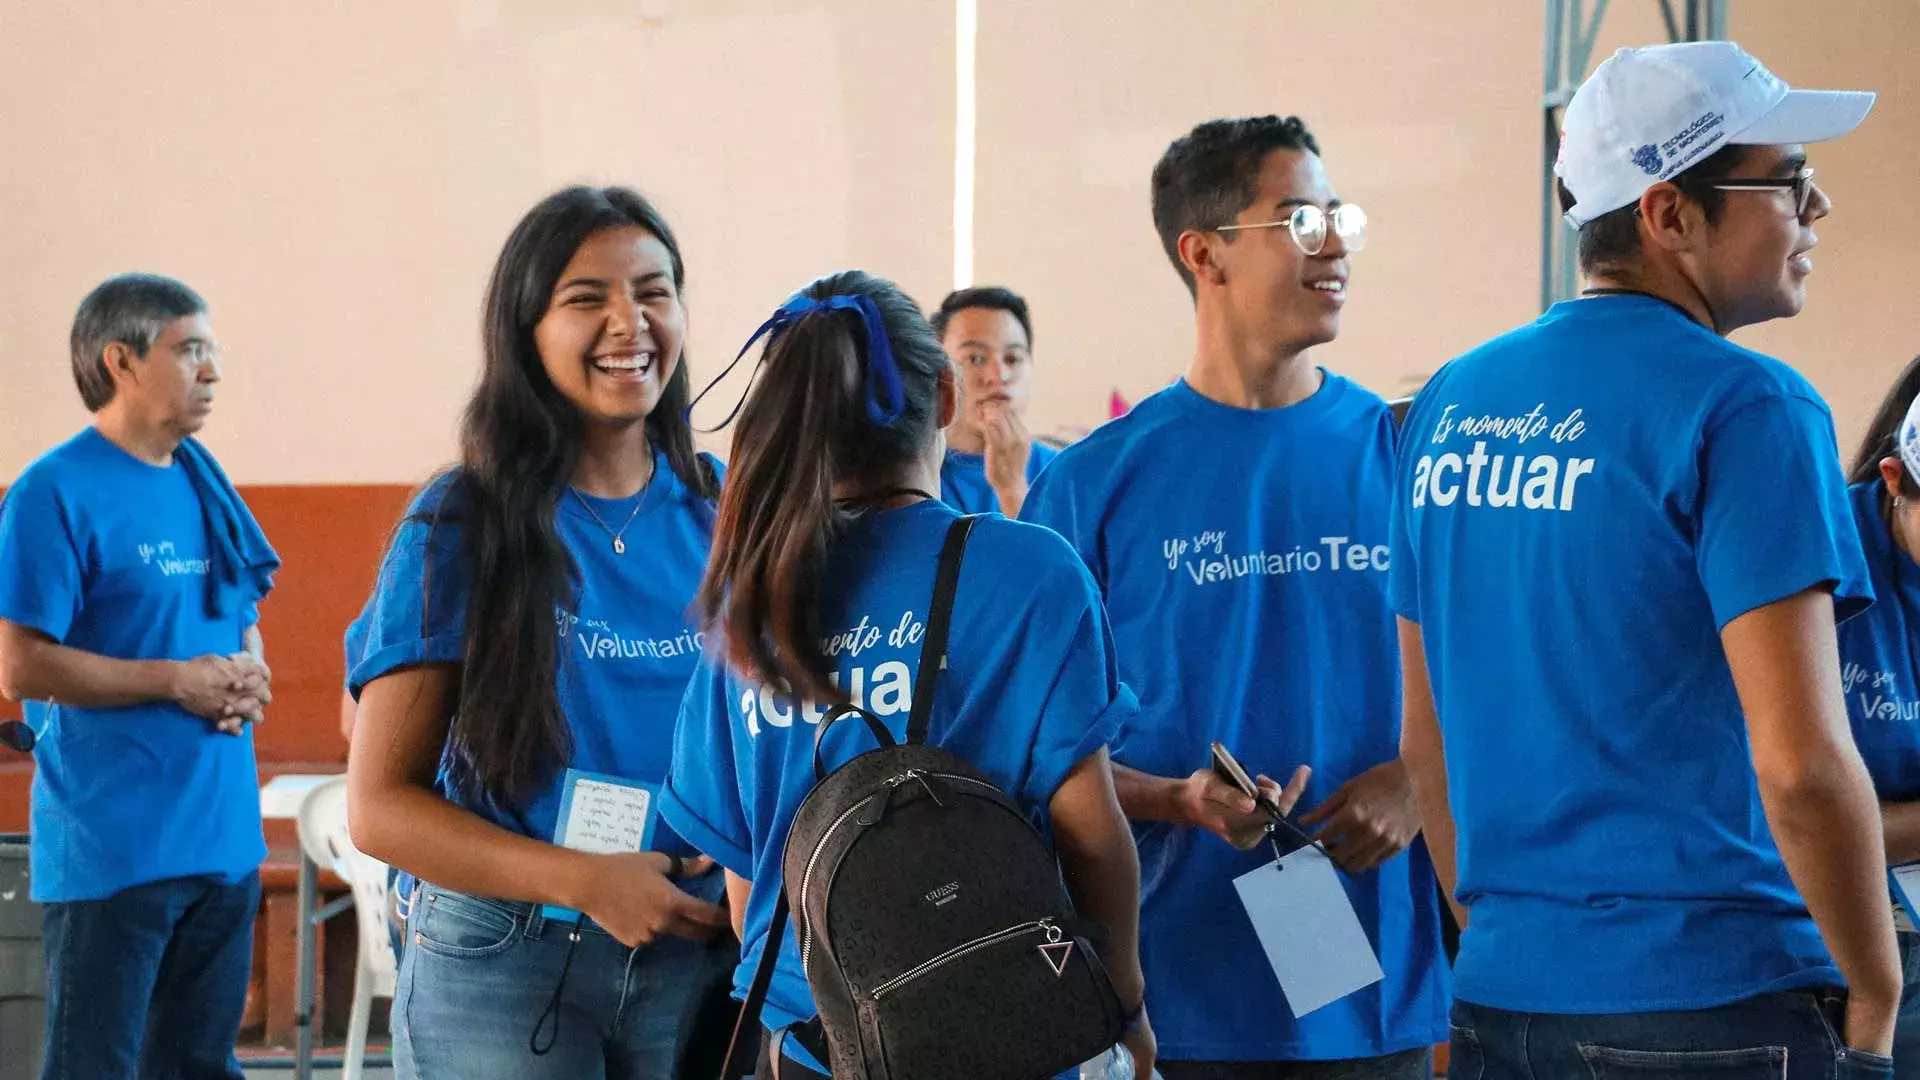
x,y
830,521
1880,658
526,649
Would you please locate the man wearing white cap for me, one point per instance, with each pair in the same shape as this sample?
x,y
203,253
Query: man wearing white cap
x,y
1620,547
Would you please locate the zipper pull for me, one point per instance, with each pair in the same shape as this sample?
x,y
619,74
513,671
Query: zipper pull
x,y
931,794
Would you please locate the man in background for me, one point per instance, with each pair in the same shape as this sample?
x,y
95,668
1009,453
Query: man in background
x,y
991,459
130,580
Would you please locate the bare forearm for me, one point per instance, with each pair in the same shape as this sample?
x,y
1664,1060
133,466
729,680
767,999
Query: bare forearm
x,y
1429,775
253,644
422,833
1102,872
1829,834
1423,751
1817,794
1900,821
39,670
1146,797
1105,885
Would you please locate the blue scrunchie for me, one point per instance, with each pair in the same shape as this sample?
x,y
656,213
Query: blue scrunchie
x,y
886,395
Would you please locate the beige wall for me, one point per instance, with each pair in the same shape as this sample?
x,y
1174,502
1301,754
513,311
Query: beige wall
x,y
1428,114
337,179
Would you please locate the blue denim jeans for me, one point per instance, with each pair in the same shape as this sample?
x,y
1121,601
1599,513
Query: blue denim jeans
x,y
1906,1034
478,974
1785,1036
150,982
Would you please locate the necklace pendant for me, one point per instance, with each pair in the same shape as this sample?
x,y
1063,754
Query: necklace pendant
x,y
619,546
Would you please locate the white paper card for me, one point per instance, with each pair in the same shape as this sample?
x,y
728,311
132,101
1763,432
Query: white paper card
x,y
1313,939
604,815
1907,880
606,818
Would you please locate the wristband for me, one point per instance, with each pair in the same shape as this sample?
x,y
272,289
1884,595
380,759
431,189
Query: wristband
x,y
675,866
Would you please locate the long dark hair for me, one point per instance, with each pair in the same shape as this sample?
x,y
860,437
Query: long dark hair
x,y
520,440
1882,439
803,431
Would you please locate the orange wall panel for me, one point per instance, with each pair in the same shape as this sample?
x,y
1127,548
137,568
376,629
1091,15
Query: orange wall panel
x,y
330,538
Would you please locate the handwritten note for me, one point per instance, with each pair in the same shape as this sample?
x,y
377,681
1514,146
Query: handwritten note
x,y
604,815
608,818
1312,937
1907,880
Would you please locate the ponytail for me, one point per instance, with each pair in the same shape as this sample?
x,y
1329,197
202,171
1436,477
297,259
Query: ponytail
x,y
848,397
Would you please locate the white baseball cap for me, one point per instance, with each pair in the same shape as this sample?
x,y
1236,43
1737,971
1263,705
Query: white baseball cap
x,y
1648,114
1908,441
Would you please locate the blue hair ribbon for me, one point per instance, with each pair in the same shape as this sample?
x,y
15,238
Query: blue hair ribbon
x,y
886,395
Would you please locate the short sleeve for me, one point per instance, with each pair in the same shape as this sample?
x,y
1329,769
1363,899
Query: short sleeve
x,y
418,611
701,800
354,642
1085,703
41,578
1403,564
1403,569
1773,517
1053,503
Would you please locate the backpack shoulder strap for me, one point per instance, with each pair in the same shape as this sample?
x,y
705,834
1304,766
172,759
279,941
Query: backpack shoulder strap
x,y
933,651
744,1050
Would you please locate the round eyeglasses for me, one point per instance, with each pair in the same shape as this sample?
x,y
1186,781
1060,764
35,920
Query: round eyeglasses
x,y
1309,226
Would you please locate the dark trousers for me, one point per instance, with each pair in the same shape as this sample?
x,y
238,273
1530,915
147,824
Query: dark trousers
x,y
1794,1035
1416,1064
149,983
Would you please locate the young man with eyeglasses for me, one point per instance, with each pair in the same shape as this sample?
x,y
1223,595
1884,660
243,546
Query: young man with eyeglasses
x,y
1620,546
1237,524
130,580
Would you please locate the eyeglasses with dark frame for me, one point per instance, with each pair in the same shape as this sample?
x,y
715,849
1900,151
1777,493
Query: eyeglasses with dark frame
x,y
1800,183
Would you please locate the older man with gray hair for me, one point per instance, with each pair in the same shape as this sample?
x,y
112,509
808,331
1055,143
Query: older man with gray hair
x,y
130,580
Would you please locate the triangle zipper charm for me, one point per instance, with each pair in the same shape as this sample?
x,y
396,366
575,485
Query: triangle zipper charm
x,y
1056,954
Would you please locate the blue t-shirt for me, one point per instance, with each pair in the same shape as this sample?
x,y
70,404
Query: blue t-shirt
x,y
1030,691
627,642
105,553
1581,506
1880,656
963,478
1243,556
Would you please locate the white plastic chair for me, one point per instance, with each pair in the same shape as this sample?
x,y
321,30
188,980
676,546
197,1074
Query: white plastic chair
x,y
325,838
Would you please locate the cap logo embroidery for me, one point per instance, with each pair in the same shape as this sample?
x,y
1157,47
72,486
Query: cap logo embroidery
x,y
1648,158
1699,131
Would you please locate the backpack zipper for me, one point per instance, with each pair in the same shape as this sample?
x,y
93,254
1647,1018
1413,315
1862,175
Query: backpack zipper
x,y
806,879
948,957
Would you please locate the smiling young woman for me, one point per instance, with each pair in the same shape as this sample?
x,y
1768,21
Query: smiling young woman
x,y
578,516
